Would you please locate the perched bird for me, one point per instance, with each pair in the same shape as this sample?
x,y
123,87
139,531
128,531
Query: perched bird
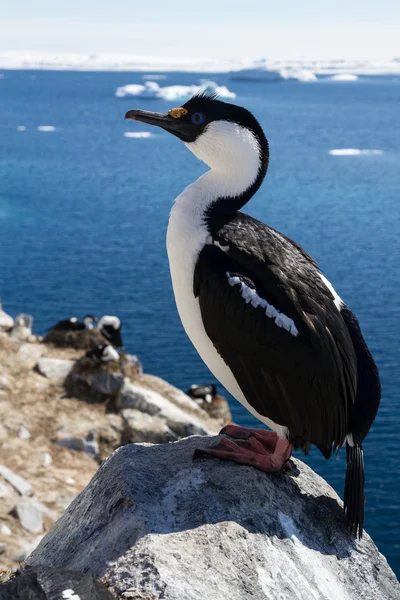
x,y
265,320
110,328
103,353
204,393
73,324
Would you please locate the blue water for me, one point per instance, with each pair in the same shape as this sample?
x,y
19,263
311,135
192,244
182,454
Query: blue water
x,y
84,210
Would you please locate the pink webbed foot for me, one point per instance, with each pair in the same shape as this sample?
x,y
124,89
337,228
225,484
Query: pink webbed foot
x,y
258,448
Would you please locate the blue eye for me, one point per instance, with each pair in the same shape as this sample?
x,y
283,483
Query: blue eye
x,y
198,118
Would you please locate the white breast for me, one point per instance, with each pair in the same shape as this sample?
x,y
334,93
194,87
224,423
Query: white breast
x,y
186,237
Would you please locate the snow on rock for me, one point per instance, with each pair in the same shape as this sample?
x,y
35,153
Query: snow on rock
x,y
352,152
154,524
344,77
151,90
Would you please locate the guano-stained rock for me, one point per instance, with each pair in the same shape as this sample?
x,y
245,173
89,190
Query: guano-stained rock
x,y
154,524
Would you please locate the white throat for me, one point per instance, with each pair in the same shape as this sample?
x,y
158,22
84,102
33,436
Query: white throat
x,y
234,157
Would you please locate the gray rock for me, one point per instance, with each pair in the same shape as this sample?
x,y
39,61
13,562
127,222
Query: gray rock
x,y
157,525
5,320
30,516
106,383
21,485
26,548
152,403
4,492
4,529
54,368
4,383
45,459
3,547
24,433
30,353
142,427
88,444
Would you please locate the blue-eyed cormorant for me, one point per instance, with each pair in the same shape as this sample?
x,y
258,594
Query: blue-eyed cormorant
x,y
258,310
203,393
110,328
74,324
103,353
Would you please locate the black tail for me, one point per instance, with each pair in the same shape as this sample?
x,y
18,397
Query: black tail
x,y
354,499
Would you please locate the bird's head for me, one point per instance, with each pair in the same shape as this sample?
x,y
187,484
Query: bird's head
x,y
222,135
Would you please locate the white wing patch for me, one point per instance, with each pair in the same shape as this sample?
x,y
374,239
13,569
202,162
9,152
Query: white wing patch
x,y
336,298
70,595
250,296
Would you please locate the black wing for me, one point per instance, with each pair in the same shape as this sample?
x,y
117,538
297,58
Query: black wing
x,y
302,377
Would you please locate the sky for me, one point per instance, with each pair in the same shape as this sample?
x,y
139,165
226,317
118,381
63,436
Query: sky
x,y
290,29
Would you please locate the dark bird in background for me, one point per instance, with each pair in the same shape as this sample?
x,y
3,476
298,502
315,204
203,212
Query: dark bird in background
x,y
74,324
103,353
205,393
265,320
110,328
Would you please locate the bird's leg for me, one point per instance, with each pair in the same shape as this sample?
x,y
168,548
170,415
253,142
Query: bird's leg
x,y
258,448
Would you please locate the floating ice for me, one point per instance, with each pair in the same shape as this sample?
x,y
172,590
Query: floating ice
x,y
352,152
21,128
151,89
137,134
46,128
263,70
130,62
344,77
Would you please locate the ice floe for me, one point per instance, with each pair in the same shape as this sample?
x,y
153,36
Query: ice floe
x,y
263,70
21,128
129,62
137,134
151,89
344,77
46,128
352,151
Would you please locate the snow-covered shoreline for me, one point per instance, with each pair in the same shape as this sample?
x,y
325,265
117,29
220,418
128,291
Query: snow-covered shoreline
x,y
126,62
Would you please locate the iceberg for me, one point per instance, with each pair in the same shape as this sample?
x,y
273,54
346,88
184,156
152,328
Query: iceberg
x,y
46,128
352,152
137,134
344,77
152,90
262,70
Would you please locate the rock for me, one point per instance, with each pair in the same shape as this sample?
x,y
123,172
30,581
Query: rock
x,y
3,433
152,403
154,524
54,368
30,516
2,547
142,427
3,490
26,548
24,433
29,353
4,529
45,459
21,485
4,383
86,444
94,381
6,322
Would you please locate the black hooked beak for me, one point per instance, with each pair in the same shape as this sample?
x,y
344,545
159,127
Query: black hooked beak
x,y
177,126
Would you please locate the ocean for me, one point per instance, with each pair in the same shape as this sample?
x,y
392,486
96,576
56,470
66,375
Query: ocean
x,y
84,212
